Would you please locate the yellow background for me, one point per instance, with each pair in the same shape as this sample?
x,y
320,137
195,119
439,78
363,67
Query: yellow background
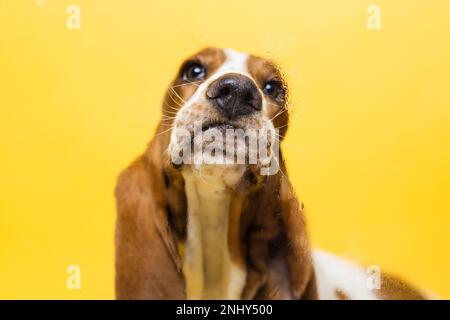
x,y
368,147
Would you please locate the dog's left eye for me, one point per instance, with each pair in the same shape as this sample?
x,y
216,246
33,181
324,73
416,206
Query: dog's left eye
x,y
274,89
194,71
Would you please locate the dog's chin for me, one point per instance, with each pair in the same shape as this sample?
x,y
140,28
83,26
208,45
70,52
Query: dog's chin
x,y
215,163
221,148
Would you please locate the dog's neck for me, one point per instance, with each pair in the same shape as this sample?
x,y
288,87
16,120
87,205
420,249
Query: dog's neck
x,y
210,272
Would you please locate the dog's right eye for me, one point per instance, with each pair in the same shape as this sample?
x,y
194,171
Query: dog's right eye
x,y
194,71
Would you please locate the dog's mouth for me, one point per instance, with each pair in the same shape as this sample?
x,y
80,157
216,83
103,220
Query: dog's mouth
x,y
223,143
219,125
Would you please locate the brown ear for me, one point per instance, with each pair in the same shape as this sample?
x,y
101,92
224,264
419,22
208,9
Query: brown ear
x,y
303,284
147,262
278,252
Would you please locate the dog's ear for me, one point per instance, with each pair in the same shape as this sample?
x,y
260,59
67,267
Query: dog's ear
x,y
147,262
278,251
303,283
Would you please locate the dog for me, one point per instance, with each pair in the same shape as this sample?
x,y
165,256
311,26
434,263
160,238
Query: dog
x,y
210,227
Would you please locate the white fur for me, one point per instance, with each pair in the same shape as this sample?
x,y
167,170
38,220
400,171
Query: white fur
x,y
235,62
334,273
208,269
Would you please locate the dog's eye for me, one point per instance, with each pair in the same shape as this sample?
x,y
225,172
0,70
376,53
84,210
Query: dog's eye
x,y
194,71
274,89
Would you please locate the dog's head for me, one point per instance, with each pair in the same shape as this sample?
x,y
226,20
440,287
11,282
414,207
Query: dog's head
x,y
216,92
225,107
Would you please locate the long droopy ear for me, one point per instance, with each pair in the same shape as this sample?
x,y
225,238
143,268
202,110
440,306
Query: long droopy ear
x,y
278,251
303,283
147,261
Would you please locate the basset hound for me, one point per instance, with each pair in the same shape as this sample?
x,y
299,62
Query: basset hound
x,y
201,224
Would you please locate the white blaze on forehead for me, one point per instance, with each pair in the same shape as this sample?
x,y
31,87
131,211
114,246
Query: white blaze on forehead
x,y
235,62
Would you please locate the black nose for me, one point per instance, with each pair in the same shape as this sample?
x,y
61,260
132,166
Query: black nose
x,y
235,95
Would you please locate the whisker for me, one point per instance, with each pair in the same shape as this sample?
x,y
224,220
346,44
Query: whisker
x,y
171,112
185,84
281,170
277,138
172,108
290,109
285,144
168,116
165,131
176,93
176,102
282,126
279,113
165,120
161,119
272,104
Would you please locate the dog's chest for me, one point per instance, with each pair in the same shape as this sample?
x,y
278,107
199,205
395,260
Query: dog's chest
x,y
208,268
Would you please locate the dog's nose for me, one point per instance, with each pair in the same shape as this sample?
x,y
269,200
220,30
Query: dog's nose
x,y
235,95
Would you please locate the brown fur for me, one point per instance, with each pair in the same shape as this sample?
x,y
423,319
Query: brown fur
x,y
341,295
393,288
